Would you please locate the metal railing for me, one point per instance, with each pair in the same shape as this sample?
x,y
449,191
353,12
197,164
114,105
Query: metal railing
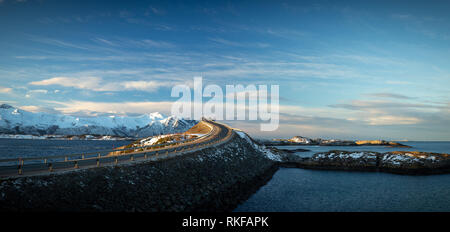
x,y
17,166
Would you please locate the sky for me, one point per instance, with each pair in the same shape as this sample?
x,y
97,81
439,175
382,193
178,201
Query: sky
x,y
346,69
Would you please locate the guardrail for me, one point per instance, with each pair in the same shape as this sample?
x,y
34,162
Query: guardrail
x,y
96,159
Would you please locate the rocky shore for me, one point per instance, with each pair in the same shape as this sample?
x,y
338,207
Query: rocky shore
x,y
400,162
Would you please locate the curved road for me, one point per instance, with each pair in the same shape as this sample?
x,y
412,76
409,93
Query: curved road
x,y
218,134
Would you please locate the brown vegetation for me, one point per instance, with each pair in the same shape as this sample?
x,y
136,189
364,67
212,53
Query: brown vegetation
x,y
199,128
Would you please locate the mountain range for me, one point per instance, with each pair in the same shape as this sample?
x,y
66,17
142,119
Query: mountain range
x,y
17,121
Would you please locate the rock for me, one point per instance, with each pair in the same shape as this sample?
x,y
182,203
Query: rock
x,y
379,143
300,140
403,162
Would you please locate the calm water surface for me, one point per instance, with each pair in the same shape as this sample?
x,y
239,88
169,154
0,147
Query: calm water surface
x,y
302,190
15,148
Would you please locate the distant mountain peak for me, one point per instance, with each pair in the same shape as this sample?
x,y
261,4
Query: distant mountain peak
x,y
157,115
6,106
16,121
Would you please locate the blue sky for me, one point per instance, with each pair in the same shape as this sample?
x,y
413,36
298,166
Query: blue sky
x,y
346,69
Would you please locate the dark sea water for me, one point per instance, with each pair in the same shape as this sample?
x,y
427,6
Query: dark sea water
x,y
302,190
15,148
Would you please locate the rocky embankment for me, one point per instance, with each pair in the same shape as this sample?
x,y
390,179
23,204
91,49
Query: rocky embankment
x,y
401,162
213,179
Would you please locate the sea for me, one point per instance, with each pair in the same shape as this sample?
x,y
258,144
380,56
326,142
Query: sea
x,y
26,148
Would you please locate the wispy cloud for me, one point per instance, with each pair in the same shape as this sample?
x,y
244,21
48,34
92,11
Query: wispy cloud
x,y
389,95
98,84
146,43
104,41
391,120
42,91
59,43
36,109
155,11
91,108
5,90
238,44
387,112
424,25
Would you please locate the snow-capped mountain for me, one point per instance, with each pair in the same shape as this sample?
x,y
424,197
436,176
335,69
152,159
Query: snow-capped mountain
x,y
17,121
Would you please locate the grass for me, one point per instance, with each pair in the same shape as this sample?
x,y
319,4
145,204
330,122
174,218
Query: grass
x,y
199,128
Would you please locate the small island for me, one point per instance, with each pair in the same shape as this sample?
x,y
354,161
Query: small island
x,y
300,140
399,162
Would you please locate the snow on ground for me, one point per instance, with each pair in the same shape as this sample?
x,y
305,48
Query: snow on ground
x,y
388,158
153,140
261,148
9,136
343,155
398,159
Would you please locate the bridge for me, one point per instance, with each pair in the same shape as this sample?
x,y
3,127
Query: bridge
x,y
218,134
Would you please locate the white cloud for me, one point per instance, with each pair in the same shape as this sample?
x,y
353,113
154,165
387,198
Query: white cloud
x,y
44,91
5,90
238,44
152,43
58,43
105,41
98,84
35,109
80,83
392,120
119,108
145,85
389,95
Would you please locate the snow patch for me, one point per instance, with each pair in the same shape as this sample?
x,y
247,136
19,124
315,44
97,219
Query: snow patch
x,y
261,148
